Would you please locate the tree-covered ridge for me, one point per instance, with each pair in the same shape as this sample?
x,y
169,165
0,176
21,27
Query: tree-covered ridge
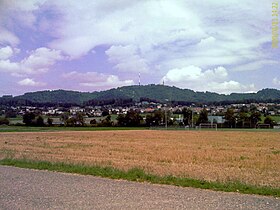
x,y
127,94
57,96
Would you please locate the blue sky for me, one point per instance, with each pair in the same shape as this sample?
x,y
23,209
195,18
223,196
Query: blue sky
x,y
208,45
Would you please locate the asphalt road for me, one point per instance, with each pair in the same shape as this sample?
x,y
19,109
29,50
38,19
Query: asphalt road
x,y
33,189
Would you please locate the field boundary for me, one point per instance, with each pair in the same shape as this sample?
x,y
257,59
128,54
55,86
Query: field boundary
x,y
139,175
55,129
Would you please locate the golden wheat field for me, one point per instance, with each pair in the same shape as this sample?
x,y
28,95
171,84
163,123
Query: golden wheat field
x,y
249,157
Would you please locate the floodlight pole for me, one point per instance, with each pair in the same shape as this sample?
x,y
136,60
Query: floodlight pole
x,y
166,114
192,118
166,117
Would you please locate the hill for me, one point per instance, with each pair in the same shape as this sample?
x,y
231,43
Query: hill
x,y
138,93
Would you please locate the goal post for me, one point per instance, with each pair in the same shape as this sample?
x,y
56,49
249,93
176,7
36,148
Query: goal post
x,y
208,126
262,126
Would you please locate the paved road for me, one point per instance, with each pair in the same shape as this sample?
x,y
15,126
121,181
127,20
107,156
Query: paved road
x,y
32,189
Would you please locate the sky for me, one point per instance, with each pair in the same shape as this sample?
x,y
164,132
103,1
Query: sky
x,y
208,45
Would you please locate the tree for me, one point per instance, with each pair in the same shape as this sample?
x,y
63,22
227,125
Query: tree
x,y
203,117
255,117
40,121
80,118
242,119
105,112
64,117
149,120
28,118
268,120
121,120
106,122
4,121
158,117
50,122
229,118
10,114
71,122
167,114
154,119
187,114
133,118
93,122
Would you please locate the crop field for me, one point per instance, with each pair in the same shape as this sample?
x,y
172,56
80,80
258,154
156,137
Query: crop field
x,y
225,156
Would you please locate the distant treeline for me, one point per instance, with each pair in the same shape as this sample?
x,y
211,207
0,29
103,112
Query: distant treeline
x,y
113,101
128,95
23,102
126,102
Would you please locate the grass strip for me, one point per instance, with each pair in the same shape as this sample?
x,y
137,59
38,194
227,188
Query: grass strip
x,y
139,175
53,129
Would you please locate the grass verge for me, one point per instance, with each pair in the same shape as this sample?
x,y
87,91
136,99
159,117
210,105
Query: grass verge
x,y
52,129
139,175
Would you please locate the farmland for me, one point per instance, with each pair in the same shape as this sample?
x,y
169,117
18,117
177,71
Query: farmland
x,y
223,156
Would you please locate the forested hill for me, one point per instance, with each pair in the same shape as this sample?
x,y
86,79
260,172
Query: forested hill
x,y
137,93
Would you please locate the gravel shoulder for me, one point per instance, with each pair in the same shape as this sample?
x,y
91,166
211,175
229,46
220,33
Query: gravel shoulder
x,y
33,189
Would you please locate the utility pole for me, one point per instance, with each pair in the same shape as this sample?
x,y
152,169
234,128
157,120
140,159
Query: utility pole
x,y
166,114
192,118
166,117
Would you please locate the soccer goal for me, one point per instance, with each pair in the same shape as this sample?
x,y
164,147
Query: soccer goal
x,y
208,126
262,126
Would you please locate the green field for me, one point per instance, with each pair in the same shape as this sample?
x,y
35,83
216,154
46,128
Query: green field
x,y
50,129
276,118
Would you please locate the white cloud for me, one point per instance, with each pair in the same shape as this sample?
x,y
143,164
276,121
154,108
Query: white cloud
x,y
145,24
13,13
167,32
8,66
30,82
195,74
97,80
7,52
41,59
38,61
215,80
276,81
230,87
127,59
255,65
7,37
152,36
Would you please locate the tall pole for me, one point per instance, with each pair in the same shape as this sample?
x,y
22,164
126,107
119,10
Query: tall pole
x,y
192,118
166,117
166,114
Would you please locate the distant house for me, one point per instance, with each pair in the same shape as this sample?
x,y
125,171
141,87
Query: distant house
x,y
216,119
149,110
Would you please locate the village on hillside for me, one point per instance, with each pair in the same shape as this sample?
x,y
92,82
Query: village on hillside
x,y
145,113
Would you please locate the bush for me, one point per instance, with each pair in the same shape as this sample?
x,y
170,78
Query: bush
x,y
4,121
40,121
50,122
268,120
28,118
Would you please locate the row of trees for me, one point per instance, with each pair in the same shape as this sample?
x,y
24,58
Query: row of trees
x,y
30,119
159,117
245,119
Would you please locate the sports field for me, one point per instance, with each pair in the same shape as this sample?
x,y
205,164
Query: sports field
x,y
249,157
